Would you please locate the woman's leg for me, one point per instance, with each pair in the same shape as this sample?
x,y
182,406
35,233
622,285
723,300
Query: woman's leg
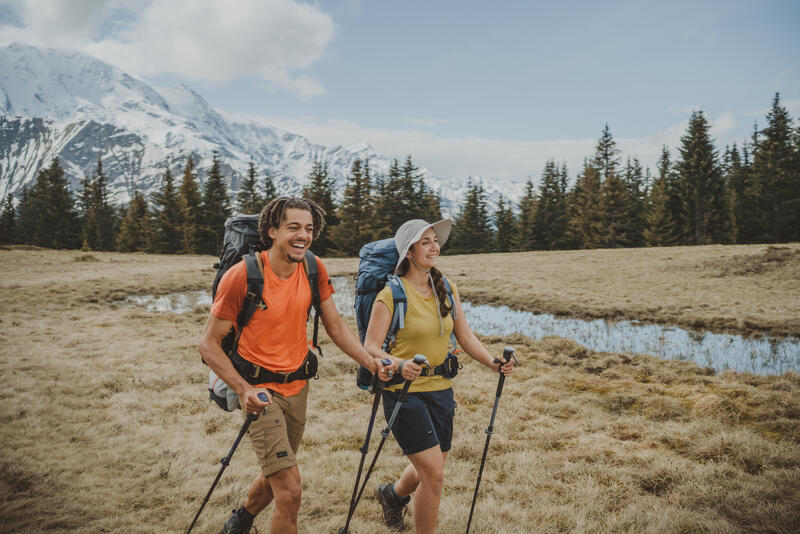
x,y
426,474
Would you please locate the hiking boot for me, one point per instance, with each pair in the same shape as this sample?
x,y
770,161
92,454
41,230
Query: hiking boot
x,y
393,508
237,524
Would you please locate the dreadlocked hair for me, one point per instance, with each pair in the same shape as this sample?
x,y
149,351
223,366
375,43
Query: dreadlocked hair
x,y
274,212
438,286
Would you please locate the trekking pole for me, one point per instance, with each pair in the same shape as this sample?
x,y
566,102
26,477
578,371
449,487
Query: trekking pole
x,y
374,388
225,461
508,353
419,359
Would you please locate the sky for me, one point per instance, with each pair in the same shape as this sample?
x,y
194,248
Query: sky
x,y
468,88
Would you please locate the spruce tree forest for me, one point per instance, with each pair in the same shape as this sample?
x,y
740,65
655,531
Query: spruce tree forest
x,y
696,195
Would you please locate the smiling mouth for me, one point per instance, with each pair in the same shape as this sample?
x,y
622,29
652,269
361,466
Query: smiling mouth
x,y
298,246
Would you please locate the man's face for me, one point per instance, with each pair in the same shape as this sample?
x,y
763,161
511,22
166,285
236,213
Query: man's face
x,y
294,235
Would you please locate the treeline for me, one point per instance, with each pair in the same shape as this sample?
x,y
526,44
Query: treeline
x,y
747,194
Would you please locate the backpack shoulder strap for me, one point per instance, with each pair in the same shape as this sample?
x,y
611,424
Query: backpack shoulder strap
x,y
399,308
253,296
255,287
312,273
453,311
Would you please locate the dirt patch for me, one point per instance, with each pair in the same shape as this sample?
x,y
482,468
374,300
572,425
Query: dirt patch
x,y
771,259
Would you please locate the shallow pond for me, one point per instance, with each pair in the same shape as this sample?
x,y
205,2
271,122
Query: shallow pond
x,y
718,351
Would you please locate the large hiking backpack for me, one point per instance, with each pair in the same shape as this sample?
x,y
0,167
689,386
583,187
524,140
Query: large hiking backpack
x,y
243,242
377,261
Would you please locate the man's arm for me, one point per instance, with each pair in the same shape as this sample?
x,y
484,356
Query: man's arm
x,y
345,338
211,351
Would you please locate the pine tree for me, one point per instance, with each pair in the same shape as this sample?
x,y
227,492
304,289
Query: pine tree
x,y
355,213
319,188
472,232
706,195
395,202
660,228
135,234
26,217
249,200
550,220
214,210
587,225
166,217
606,154
775,169
413,205
616,207
636,186
189,204
8,216
270,193
50,217
746,192
90,230
505,225
525,238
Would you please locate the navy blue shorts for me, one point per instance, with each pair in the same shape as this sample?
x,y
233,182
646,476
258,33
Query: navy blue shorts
x,y
425,419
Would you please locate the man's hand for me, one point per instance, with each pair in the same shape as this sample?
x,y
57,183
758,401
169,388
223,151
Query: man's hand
x,y
249,399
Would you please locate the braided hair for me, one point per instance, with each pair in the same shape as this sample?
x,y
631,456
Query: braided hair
x,y
275,212
438,285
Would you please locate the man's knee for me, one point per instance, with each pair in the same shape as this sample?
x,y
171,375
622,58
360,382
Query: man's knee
x,y
287,489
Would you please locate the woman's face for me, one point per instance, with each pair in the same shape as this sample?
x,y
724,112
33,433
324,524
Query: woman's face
x,y
425,252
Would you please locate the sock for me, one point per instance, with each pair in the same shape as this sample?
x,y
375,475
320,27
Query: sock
x,y
401,500
245,516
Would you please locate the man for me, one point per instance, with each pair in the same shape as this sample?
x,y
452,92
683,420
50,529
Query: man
x,y
275,339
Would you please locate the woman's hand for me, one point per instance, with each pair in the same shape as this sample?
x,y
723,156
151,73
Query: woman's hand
x,y
505,368
410,370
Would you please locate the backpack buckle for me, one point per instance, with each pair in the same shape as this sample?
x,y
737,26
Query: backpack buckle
x,y
284,377
256,370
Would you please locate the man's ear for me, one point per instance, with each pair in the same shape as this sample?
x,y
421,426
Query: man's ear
x,y
271,232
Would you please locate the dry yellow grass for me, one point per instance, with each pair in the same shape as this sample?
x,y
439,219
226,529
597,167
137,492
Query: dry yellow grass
x,y
106,426
744,288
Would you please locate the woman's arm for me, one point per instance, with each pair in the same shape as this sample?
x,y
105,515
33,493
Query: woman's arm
x,y
472,345
379,321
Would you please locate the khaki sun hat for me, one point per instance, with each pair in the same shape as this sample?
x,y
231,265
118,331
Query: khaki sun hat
x,y
411,231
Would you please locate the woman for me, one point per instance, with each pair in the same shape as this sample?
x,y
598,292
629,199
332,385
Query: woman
x,y
424,426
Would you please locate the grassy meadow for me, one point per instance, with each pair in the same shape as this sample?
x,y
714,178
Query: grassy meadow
x,y
106,424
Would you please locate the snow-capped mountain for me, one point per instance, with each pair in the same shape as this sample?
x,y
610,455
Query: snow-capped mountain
x,y
71,106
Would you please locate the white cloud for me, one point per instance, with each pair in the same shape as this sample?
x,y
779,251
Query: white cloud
x,y
722,125
425,122
454,157
214,40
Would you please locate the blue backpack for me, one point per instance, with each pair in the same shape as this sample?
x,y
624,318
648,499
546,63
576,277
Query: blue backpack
x,y
377,261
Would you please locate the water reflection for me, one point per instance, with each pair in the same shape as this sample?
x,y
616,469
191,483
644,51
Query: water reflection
x,y
719,351
173,302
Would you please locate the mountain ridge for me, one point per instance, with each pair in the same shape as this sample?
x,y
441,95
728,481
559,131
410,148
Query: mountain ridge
x,y
69,105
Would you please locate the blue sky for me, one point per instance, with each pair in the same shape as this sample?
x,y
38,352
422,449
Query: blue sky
x,y
469,88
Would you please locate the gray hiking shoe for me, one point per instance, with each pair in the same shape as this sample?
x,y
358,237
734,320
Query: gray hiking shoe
x,y
393,509
236,524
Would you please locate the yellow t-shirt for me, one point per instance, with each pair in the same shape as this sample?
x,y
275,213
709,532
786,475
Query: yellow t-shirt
x,y
421,334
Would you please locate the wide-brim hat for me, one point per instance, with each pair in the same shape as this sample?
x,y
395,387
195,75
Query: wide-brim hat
x,y
411,231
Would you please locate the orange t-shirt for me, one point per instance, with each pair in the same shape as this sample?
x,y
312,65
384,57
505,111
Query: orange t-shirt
x,y
275,338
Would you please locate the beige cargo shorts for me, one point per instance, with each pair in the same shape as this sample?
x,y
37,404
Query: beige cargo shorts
x,y
277,433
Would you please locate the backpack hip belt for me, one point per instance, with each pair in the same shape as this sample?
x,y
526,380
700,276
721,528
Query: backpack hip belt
x,y
255,374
